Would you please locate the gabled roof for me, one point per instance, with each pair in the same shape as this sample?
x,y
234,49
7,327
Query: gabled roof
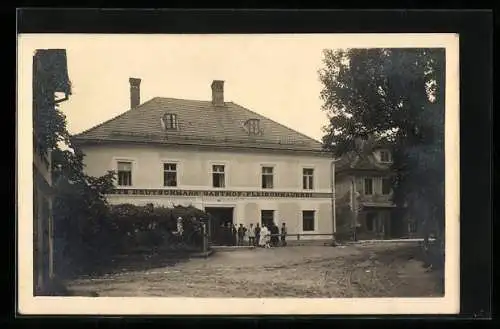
x,y
200,123
362,158
356,161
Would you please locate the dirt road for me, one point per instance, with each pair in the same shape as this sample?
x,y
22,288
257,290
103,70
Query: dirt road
x,y
378,270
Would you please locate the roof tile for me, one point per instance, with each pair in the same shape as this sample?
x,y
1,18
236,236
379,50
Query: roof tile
x,y
199,122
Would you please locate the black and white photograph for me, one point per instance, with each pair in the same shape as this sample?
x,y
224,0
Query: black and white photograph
x,y
307,173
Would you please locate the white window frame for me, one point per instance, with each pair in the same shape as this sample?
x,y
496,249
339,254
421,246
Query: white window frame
x,y
133,175
315,219
211,170
173,119
261,174
313,177
253,123
178,171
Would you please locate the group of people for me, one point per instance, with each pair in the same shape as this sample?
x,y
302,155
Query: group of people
x,y
265,236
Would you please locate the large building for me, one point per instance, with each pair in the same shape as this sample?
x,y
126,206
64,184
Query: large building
x,y
237,165
364,194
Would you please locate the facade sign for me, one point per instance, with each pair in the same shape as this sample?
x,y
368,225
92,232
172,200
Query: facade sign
x,y
234,194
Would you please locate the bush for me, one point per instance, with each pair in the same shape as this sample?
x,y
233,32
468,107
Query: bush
x,y
86,242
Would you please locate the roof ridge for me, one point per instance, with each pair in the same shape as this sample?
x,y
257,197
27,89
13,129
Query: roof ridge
x,y
282,125
113,118
184,99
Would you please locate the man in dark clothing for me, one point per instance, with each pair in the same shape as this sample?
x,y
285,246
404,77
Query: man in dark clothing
x,y
283,234
257,234
274,234
241,234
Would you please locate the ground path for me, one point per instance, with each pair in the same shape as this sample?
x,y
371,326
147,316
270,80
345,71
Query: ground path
x,y
372,270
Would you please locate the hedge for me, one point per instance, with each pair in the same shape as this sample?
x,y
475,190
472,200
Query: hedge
x,y
83,244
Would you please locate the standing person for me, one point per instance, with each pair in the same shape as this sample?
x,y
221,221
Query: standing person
x,y
275,231
241,234
283,234
180,229
268,236
264,237
234,234
251,235
257,235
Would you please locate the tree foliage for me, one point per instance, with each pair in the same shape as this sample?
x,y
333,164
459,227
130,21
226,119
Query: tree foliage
x,y
396,95
79,208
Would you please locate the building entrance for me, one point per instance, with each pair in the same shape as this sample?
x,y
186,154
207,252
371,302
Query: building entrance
x,y
266,217
220,225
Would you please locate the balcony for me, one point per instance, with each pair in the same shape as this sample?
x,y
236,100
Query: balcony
x,y
376,200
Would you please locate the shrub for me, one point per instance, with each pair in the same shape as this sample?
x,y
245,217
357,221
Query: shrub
x,y
88,241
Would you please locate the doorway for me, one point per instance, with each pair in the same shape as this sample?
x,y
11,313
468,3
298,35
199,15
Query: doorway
x,y
220,219
266,217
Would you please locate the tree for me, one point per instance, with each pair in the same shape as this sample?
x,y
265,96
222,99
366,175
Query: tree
x,y
80,209
396,95
79,205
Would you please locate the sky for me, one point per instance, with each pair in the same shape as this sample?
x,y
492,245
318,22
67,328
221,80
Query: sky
x,y
275,76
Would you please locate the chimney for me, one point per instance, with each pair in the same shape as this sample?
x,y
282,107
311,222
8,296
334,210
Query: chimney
x,y
218,93
135,92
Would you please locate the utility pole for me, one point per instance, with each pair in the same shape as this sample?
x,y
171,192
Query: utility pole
x,y
334,215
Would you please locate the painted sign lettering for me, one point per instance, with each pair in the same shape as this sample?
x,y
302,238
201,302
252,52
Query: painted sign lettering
x,y
234,194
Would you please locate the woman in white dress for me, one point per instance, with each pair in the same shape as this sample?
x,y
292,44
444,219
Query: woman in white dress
x,y
264,237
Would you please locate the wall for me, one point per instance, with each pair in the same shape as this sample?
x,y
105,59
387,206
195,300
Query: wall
x,y
243,173
243,170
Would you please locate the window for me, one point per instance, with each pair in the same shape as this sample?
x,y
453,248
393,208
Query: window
x,y
169,121
124,173
385,156
266,217
218,176
169,174
253,126
386,186
307,178
308,220
267,177
368,186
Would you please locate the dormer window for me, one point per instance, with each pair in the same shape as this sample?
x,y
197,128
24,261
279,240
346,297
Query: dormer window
x,y
169,121
385,156
253,126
